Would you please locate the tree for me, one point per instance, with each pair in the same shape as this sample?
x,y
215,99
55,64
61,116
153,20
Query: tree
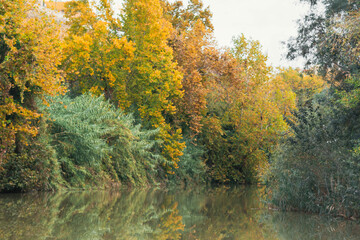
x,y
153,83
184,18
317,168
97,56
191,41
316,38
246,108
30,54
96,143
303,83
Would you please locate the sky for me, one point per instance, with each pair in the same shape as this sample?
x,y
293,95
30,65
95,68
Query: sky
x,y
271,22
268,21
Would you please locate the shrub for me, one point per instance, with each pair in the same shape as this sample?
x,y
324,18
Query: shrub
x,y
95,142
192,168
315,170
35,167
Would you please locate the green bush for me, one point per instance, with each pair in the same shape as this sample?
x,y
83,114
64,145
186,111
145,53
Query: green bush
x,y
96,143
35,167
315,169
192,169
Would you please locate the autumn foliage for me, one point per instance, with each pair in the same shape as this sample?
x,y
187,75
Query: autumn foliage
x,y
156,61
96,56
30,55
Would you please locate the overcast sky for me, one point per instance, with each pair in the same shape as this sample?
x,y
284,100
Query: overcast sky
x,y
269,21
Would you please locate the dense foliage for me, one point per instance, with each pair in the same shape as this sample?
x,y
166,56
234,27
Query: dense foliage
x,y
94,140
154,83
317,168
147,97
30,55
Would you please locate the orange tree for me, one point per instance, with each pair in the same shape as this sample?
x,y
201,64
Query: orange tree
x,y
192,44
190,40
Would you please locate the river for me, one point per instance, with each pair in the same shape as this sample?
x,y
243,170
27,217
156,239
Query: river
x,y
196,213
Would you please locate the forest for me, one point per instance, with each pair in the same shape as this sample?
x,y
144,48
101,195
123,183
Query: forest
x,y
146,97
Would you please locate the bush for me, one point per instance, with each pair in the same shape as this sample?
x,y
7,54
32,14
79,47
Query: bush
x,y
315,169
35,167
97,143
192,168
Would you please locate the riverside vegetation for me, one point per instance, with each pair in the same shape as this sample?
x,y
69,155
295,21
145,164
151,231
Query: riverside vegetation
x,y
146,97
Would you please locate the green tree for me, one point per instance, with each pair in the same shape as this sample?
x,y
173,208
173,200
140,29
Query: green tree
x,y
314,169
317,168
316,38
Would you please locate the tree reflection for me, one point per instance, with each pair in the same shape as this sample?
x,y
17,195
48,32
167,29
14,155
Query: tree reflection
x,y
94,215
203,213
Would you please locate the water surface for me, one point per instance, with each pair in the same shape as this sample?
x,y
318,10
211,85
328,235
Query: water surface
x,y
200,213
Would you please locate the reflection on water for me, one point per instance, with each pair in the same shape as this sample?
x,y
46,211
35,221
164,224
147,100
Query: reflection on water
x,y
203,213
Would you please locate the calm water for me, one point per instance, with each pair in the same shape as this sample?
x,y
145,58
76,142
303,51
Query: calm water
x,y
204,213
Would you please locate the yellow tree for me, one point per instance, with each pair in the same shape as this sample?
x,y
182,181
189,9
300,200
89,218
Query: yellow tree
x,y
259,113
303,83
97,57
153,83
30,53
244,100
